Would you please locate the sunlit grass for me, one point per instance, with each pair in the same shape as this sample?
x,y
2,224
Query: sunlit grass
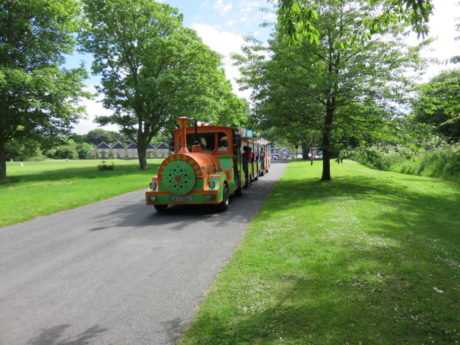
x,y
40,188
370,258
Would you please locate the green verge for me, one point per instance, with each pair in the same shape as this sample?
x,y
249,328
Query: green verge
x,y
370,258
40,188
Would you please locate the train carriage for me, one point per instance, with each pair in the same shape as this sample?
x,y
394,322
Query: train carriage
x,y
207,166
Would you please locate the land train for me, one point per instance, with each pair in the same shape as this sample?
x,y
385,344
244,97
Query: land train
x,y
209,163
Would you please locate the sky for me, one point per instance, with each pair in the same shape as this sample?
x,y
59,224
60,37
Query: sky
x,y
223,24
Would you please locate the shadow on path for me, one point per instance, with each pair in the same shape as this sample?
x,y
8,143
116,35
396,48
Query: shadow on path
x,y
53,335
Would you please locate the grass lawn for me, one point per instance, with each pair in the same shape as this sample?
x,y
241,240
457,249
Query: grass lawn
x,y
40,188
370,258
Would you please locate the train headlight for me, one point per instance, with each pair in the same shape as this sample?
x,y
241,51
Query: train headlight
x,y
153,186
212,184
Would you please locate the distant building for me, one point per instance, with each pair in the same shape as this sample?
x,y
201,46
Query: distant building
x,y
132,150
162,150
119,151
100,151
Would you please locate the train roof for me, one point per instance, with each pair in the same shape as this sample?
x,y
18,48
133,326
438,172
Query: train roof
x,y
208,128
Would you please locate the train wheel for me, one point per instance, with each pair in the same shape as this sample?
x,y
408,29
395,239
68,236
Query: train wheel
x,y
160,208
224,204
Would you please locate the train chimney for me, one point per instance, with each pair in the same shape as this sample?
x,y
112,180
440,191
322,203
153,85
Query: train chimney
x,y
183,121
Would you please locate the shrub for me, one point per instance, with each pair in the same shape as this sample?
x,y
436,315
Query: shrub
x,y
62,152
436,161
105,166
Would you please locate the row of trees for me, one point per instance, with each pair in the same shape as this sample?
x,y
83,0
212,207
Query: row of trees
x,y
73,146
334,72
333,69
153,70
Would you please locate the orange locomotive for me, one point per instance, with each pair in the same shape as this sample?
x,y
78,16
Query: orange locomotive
x,y
206,168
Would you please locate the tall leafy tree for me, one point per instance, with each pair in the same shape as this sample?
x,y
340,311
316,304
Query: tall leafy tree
x,y
438,104
153,69
99,135
37,98
344,83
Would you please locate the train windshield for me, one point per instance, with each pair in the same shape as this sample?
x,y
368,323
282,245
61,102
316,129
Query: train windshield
x,y
217,141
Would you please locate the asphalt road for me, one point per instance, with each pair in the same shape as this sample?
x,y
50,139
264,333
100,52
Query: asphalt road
x,y
116,272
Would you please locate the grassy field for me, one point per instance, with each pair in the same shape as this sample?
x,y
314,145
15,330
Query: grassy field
x,y
40,188
370,258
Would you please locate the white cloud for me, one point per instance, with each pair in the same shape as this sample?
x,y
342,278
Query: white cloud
x,y
223,8
231,22
249,6
442,28
226,44
205,4
94,108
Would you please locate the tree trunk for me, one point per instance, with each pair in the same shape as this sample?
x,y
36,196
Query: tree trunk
x,y
142,154
326,165
326,144
2,161
305,150
142,145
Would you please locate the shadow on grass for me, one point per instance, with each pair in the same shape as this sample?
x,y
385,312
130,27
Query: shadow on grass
x,y
393,282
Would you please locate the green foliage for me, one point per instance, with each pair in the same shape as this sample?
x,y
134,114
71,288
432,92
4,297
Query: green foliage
x,y
369,258
22,149
410,147
68,148
99,135
297,18
65,151
38,99
106,166
153,69
83,149
340,88
438,104
442,160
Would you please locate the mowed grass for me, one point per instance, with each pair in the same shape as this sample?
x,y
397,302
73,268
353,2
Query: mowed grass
x,y
41,188
370,258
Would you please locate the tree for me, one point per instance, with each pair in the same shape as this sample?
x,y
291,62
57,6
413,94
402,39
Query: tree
x,y
438,104
99,135
37,98
64,151
23,149
296,18
83,149
153,69
341,84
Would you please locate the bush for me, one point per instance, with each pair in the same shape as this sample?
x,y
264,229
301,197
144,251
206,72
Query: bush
x,y
105,166
436,161
63,152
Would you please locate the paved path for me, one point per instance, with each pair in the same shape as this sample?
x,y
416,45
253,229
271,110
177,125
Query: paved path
x,y
115,272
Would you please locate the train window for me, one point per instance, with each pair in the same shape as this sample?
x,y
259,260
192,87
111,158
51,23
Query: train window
x,y
208,141
222,142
